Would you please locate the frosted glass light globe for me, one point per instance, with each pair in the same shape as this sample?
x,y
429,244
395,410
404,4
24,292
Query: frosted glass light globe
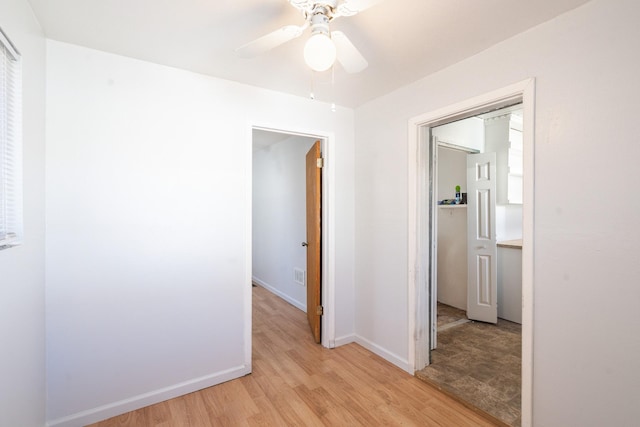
x,y
319,52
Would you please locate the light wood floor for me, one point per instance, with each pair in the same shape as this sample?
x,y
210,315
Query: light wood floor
x,y
299,383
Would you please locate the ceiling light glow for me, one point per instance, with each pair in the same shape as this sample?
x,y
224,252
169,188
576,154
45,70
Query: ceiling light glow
x,y
319,52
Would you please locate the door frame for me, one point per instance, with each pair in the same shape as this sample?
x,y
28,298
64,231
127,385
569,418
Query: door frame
x,y
328,232
436,143
420,208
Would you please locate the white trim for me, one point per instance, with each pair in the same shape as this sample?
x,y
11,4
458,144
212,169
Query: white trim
x,y
11,49
418,339
248,265
297,304
344,340
328,333
454,146
328,229
100,413
385,354
528,260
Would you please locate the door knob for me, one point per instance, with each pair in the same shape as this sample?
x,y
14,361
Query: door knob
x,y
305,244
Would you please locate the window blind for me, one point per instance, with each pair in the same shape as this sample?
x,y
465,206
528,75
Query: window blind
x,y
10,144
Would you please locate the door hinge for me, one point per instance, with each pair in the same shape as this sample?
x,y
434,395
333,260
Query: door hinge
x,y
320,162
319,310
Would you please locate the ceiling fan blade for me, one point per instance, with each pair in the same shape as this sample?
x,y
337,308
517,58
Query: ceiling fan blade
x,y
269,41
302,4
348,55
351,7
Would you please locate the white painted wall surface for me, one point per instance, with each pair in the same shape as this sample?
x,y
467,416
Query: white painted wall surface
x,y
279,217
467,133
148,207
22,268
452,171
452,256
510,284
452,225
586,267
508,222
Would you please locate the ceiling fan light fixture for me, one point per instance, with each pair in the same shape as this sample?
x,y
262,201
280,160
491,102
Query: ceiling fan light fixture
x,y
319,52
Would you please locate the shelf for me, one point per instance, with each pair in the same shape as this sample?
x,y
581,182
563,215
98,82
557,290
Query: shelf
x,y
452,206
513,244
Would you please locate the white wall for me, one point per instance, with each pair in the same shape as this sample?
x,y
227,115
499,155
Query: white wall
x,y
22,324
509,295
586,267
465,133
508,222
452,226
148,207
452,171
279,217
452,256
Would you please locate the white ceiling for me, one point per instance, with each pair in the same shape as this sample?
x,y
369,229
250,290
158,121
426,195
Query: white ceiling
x,y
263,138
403,40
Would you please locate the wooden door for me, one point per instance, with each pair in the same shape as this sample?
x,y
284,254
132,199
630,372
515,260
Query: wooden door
x,y
313,243
482,285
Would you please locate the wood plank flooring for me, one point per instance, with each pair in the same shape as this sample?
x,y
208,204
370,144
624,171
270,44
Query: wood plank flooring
x,y
296,382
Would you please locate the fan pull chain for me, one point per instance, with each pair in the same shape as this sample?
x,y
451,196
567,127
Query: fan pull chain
x,y
313,82
311,92
333,89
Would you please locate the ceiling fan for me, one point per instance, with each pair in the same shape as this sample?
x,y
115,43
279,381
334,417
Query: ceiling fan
x,y
323,46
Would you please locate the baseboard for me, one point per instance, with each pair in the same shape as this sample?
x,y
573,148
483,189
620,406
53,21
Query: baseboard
x,y
385,354
287,298
347,339
136,402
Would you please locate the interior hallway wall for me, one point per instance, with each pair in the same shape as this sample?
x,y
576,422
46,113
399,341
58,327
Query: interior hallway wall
x,y
148,224
279,217
22,268
586,65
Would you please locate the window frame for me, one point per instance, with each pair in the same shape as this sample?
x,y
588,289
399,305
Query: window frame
x,y
11,221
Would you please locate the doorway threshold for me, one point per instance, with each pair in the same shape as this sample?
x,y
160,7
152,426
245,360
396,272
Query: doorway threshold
x,y
452,324
484,414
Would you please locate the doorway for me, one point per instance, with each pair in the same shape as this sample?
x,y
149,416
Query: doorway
x,y
278,220
476,345
422,202
480,156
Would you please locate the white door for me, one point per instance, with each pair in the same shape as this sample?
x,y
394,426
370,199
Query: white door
x,y
482,285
